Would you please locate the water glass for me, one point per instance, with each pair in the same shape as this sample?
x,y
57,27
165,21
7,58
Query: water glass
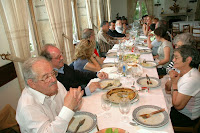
x,y
106,105
124,108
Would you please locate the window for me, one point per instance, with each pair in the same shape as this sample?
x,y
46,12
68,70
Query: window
x,y
140,10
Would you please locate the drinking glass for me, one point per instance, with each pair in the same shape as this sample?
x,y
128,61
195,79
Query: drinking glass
x,y
124,108
106,105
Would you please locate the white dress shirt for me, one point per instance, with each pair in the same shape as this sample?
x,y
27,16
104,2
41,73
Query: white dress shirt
x,y
38,113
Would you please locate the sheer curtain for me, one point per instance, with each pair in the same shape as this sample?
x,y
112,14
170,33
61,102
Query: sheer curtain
x,y
197,13
15,20
131,7
149,4
89,14
60,16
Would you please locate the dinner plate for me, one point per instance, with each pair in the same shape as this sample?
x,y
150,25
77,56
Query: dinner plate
x,y
108,65
143,82
109,69
156,120
115,83
145,51
88,125
113,129
112,95
149,64
111,54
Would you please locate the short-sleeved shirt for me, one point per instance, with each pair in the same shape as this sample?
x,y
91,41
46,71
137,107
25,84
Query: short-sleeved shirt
x,y
119,29
161,52
155,47
189,85
80,64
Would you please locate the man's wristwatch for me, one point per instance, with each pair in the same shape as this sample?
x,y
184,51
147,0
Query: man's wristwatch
x,y
175,89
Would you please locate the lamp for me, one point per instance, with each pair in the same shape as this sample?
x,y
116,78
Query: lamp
x,y
158,3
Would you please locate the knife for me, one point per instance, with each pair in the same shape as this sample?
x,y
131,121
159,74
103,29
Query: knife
x,y
148,80
79,125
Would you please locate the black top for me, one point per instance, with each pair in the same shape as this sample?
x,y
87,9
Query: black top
x,y
114,33
74,78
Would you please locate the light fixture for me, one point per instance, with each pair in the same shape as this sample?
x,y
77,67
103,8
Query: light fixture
x,y
158,3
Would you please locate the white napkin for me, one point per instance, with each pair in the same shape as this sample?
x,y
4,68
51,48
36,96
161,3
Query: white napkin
x,y
149,131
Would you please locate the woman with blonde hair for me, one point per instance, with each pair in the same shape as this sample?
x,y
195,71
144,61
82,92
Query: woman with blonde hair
x,y
85,59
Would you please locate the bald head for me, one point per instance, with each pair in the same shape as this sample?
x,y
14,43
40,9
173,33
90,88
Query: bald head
x,y
53,54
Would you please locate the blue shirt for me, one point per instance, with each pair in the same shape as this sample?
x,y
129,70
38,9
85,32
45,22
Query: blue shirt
x,y
155,47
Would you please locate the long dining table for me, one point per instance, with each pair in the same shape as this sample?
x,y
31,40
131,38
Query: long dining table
x,y
154,96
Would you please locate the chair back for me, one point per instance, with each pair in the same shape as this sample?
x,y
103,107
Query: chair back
x,y
186,28
196,34
175,29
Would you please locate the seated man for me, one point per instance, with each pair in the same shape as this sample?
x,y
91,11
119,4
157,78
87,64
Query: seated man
x,y
105,41
119,27
68,76
45,106
185,87
112,32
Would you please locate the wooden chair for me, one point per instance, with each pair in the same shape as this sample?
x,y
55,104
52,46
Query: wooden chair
x,y
186,28
191,129
175,29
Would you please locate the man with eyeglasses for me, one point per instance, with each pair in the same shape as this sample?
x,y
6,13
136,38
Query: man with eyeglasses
x,y
68,76
45,105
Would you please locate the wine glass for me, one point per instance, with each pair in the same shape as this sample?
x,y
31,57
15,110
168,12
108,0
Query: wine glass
x,y
124,108
106,105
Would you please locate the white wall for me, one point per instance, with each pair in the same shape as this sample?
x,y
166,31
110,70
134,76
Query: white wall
x,y
10,92
118,6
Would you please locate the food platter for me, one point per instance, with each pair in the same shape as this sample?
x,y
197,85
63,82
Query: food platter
x,y
145,51
113,94
88,125
156,120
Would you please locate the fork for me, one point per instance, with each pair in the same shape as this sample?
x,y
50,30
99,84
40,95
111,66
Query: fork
x,y
148,80
79,125
145,116
108,85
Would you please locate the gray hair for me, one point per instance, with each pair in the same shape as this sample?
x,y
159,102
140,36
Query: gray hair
x,y
185,38
45,53
28,70
188,51
87,33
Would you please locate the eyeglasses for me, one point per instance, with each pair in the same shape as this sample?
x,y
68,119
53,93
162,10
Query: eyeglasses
x,y
46,78
59,56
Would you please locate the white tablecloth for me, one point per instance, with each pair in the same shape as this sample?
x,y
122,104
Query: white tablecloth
x,y
153,97
191,23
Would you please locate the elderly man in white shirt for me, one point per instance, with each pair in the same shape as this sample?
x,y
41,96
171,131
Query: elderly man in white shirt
x,y
119,27
45,106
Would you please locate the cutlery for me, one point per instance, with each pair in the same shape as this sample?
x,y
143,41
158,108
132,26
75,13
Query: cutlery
x,y
79,125
70,122
108,85
133,124
148,80
144,61
97,124
145,116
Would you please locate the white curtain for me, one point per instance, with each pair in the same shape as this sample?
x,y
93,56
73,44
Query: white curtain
x,y
60,16
15,20
89,14
100,10
109,10
197,13
149,4
131,7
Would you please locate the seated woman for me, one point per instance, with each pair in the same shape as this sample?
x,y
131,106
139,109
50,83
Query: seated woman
x,y
185,87
146,26
165,50
85,59
179,40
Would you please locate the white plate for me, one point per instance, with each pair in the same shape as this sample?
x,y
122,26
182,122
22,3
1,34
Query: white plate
x,y
88,125
156,120
149,64
108,65
109,69
111,54
143,82
145,51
